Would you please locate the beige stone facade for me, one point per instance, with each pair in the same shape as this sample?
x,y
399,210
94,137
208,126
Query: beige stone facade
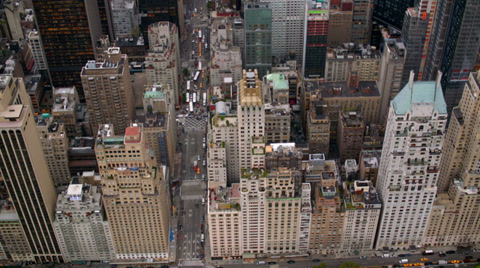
x,y
135,195
108,91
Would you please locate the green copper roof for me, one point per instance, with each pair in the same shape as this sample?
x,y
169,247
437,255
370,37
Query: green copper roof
x,y
421,92
279,81
153,95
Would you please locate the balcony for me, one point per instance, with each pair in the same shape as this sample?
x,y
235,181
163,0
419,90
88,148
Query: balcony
x,y
418,162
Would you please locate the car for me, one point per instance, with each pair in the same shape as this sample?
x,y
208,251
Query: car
x,y
428,263
316,260
402,255
466,261
180,227
290,262
198,157
442,255
424,259
272,263
408,255
468,257
450,252
363,257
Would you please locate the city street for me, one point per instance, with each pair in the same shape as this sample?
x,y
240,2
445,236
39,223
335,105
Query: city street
x,y
192,131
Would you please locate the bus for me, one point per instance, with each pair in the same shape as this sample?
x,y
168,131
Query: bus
x,y
199,65
204,99
191,107
188,97
188,85
427,252
194,97
199,34
196,76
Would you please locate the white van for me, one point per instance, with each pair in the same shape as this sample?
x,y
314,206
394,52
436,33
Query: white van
x,y
203,201
260,262
403,261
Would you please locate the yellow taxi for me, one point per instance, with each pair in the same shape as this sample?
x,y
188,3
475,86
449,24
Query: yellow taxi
x,y
424,259
201,84
408,265
198,171
455,261
418,264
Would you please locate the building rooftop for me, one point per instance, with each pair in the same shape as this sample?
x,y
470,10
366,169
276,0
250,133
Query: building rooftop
x,y
361,195
279,81
341,90
419,93
353,51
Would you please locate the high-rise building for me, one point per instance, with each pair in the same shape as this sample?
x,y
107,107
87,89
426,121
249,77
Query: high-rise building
x,y
352,61
125,17
65,108
454,217
253,202
316,32
416,32
408,172
462,43
340,23
226,58
351,128
325,235
277,108
55,148
80,224
224,130
258,37
28,180
318,128
15,245
153,11
390,77
459,149
288,22
362,213
163,58
135,194
282,206
159,125
108,90
362,21
67,44
35,43
251,121
390,12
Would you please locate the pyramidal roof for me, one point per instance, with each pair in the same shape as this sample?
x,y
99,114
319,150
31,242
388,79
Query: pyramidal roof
x,y
421,92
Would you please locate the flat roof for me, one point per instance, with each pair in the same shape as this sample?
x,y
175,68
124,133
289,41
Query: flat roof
x,y
74,189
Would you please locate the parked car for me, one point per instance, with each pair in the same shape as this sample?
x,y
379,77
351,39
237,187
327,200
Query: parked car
x,y
451,252
316,260
290,262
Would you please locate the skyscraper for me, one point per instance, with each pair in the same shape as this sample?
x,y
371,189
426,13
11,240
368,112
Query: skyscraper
x,y
251,121
316,33
135,195
108,90
152,11
362,21
461,47
25,171
408,172
69,30
391,12
459,176
163,57
288,22
390,76
258,37
80,224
